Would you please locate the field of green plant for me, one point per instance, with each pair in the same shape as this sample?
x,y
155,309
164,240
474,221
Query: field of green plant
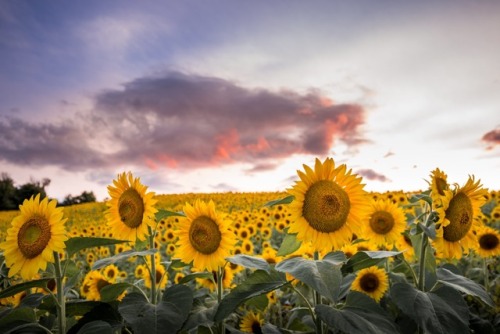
x,y
323,256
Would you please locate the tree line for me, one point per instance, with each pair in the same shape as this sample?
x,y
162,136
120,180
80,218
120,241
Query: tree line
x,y
11,196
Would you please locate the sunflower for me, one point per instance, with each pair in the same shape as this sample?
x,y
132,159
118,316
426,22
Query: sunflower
x,y
35,234
457,220
92,285
385,223
403,244
161,277
488,242
131,209
440,189
329,205
252,323
203,237
371,281
227,279
111,272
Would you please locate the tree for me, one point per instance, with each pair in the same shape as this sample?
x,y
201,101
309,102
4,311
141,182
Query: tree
x,y
85,197
7,193
32,188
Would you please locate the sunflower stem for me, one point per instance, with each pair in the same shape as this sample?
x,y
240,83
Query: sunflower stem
x,y
317,300
421,273
220,287
61,301
308,304
486,275
152,273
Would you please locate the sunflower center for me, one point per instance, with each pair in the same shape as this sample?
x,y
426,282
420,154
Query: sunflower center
x,y
441,185
326,206
369,282
204,235
159,276
256,327
33,237
459,213
381,222
488,241
131,208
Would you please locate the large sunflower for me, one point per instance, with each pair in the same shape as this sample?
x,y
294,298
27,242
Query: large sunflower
x,y
329,205
131,208
454,229
35,234
488,242
371,281
384,223
204,237
252,323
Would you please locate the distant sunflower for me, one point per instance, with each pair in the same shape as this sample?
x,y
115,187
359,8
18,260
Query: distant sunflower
x,y
35,234
440,189
131,209
329,205
111,272
203,237
488,242
252,323
161,277
403,244
385,223
457,220
371,281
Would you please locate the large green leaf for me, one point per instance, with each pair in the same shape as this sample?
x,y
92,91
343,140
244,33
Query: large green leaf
x,y
248,261
103,312
361,314
366,259
121,257
14,289
432,312
113,291
289,245
257,283
15,316
75,308
463,284
335,258
162,214
76,244
168,315
286,200
96,327
320,275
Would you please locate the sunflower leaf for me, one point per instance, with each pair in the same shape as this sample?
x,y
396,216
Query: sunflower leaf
x,y
162,214
76,244
193,276
96,327
113,291
248,261
14,289
289,245
286,200
463,284
366,259
122,256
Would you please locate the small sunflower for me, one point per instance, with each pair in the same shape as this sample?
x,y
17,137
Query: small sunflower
x,y
35,234
488,242
371,281
111,272
252,323
385,223
329,205
161,277
227,279
203,237
440,189
131,209
403,244
457,220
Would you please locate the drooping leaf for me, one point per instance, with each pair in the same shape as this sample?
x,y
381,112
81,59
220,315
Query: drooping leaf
x,y
113,291
335,258
96,327
257,283
15,316
289,245
193,276
121,257
463,284
76,244
162,214
14,289
366,259
248,261
169,314
320,275
286,200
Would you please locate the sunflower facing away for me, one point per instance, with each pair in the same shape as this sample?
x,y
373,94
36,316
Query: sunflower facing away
x,y
329,205
204,237
371,281
131,209
384,223
252,323
457,220
34,235
488,242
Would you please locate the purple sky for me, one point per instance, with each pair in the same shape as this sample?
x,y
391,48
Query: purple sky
x,y
197,96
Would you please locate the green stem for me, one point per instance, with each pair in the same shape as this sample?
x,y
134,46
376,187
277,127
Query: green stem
x,y
486,276
411,269
308,304
421,273
61,301
153,266
220,290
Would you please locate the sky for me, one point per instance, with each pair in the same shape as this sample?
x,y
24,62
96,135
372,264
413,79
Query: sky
x,y
215,96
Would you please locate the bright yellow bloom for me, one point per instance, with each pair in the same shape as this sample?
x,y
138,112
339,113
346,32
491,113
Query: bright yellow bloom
x,y
35,234
252,323
131,208
384,223
371,281
204,237
329,205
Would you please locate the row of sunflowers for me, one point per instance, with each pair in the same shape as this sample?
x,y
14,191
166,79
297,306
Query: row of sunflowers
x,y
324,256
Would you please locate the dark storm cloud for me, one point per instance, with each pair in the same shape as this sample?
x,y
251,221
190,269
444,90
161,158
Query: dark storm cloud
x,y
492,138
370,174
180,120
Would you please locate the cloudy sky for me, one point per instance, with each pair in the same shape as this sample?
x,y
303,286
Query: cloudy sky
x,y
210,96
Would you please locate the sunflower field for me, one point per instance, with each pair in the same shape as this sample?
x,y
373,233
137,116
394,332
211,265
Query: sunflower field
x,y
323,256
